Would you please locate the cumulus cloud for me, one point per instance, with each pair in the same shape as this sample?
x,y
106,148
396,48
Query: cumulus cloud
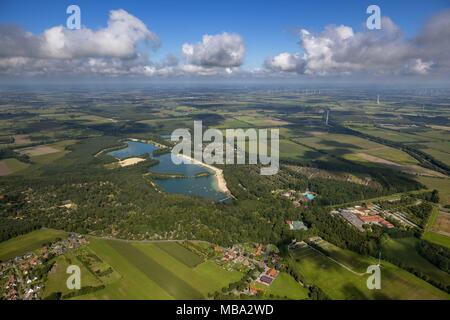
x,y
113,51
339,50
110,50
118,40
222,50
286,62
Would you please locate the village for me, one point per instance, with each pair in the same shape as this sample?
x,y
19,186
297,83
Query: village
x,y
23,277
263,260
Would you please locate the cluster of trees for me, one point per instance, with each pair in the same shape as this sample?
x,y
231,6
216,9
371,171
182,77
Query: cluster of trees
x,y
419,213
6,153
342,234
7,139
10,228
437,255
315,293
418,207
420,274
433,255
432,196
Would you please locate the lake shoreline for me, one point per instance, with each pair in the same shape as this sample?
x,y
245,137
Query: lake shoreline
x,y
221,182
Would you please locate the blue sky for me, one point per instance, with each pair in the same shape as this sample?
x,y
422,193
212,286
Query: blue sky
x,y
265,38
268,27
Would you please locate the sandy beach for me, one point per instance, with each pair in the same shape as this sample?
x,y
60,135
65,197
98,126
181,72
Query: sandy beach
x,y
130,161
221,183
157,144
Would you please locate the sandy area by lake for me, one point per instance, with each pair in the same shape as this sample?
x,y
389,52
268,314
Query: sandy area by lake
x,y
221,183
130,161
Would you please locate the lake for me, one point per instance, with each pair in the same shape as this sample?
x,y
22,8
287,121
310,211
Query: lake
x,y
205,186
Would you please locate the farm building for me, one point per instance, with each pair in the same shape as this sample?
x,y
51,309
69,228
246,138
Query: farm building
x,y
266,280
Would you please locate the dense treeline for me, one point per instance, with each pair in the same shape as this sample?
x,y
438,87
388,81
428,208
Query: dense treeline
x,y
12,228
419,213
420,274
342,234
437,255
389,180
6,153
7,139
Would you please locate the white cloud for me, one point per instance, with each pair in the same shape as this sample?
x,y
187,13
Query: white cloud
x,y
222,50
118,40
285,62
110,50
338,50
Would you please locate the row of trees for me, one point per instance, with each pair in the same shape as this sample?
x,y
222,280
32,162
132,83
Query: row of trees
x,y
436,254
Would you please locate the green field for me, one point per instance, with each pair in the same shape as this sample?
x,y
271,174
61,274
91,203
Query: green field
x,y
57,276
286,286
262,121
437,239
48,158
393,135
432,236
11,166
404,250
28,242
340,283
180,253
442,156
348,146
232,123
150,271
440,184
292,150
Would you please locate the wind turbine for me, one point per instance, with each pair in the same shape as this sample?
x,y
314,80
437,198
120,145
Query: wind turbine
x,y
379,260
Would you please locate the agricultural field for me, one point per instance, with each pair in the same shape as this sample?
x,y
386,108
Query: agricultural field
x,y
260,121
439,150
232,123
352,147
294,151
404,250
20,139
153,271
342,276
43,154
388,134
167,126
442,223
10,166
286,286
437,228
57,277
440,184
28,242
